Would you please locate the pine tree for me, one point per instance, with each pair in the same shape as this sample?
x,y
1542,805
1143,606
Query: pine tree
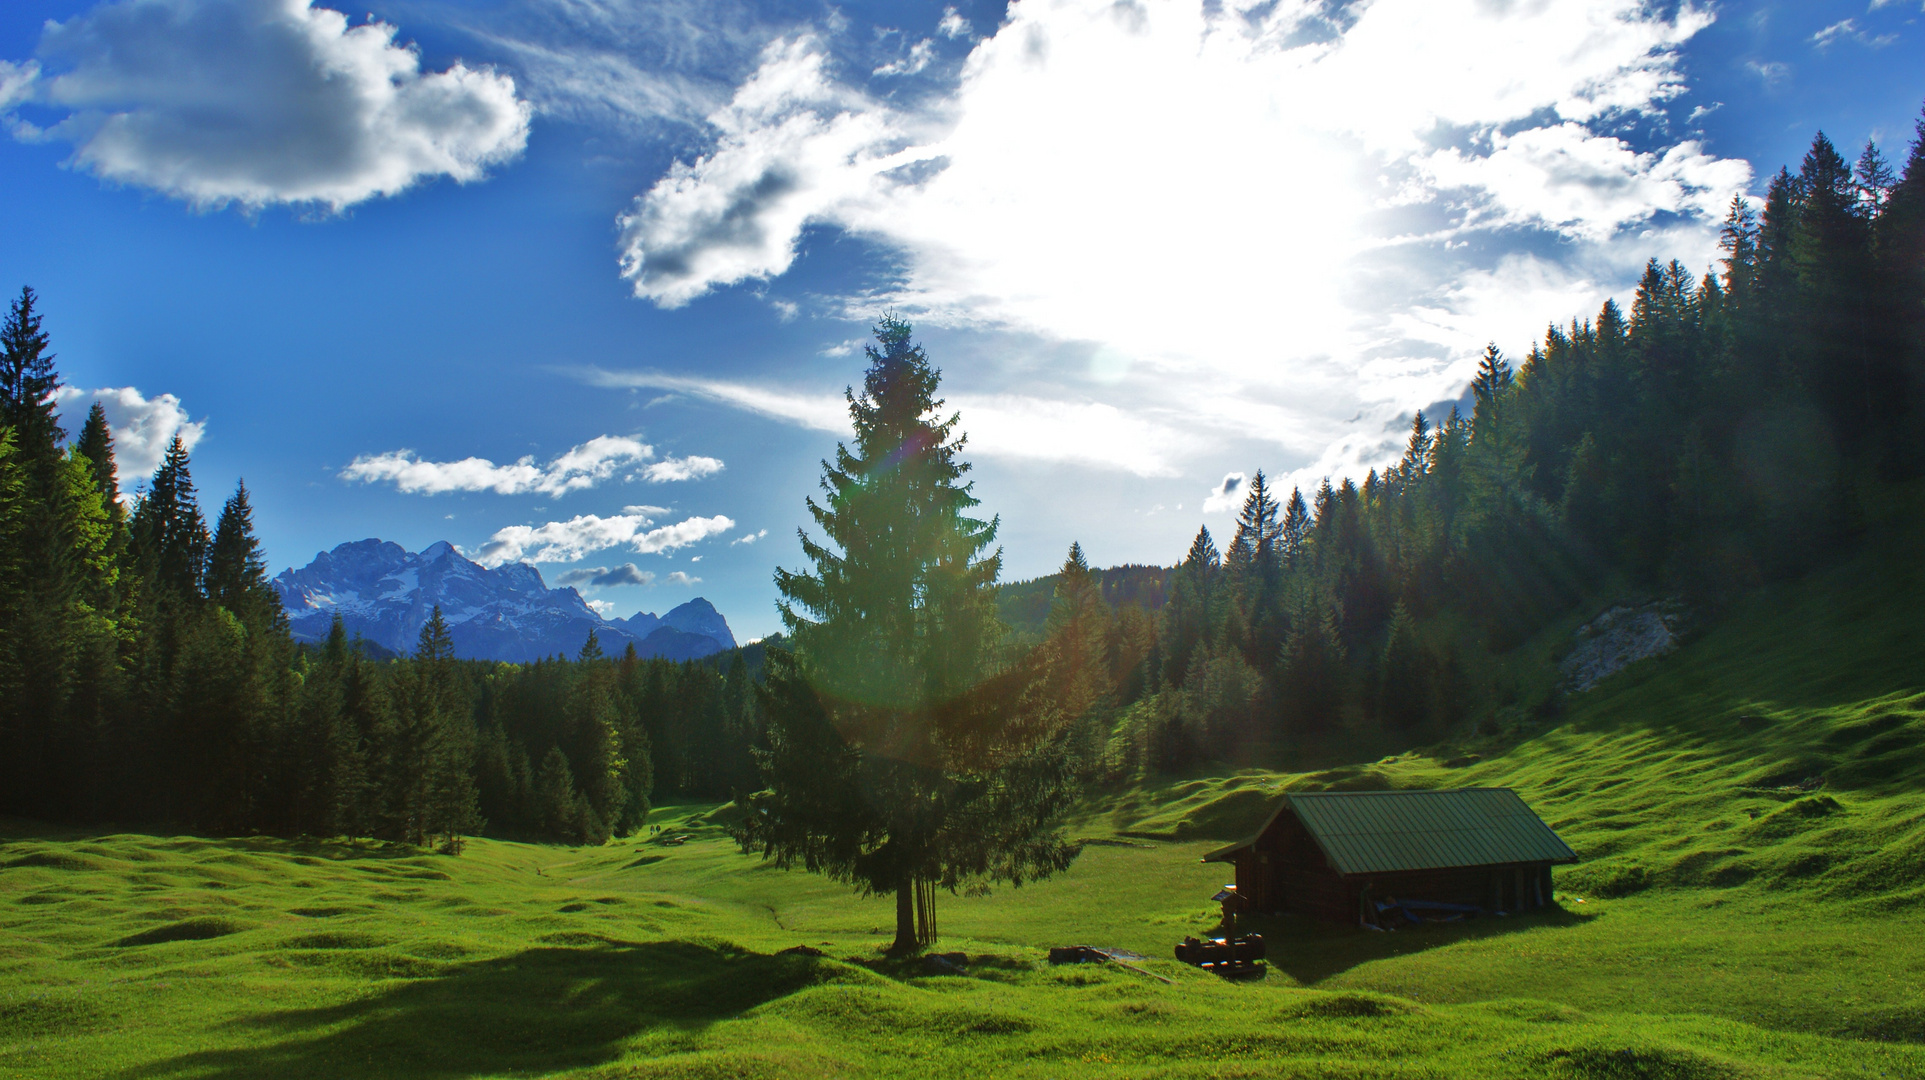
x,y
1254,549
55,631
16,734
900,760
1873,179
1190,612
1831,253
1295,531
1311,675
593,744
169,534
428,763
28,381
561,809
1077,627
236,576
1900,306
96,444
1403,685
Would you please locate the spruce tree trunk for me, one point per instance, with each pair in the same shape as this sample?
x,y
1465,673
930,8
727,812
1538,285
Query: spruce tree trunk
x,y
905,919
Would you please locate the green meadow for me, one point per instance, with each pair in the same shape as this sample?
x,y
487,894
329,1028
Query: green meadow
x,y
1749,812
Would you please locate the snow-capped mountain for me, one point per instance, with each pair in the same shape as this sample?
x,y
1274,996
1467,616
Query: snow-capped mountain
x,y
386,594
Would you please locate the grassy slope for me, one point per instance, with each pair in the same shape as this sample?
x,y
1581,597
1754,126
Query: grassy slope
x,y
1729,926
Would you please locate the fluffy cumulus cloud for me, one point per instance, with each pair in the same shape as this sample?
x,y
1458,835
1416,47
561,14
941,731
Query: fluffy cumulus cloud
x,y
581,467
693,467
1272,225
260,102
680,578
569,541
792,144
604,577
1226,495
142,427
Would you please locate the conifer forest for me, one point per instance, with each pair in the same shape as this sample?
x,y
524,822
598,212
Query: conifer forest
x,y
1736,424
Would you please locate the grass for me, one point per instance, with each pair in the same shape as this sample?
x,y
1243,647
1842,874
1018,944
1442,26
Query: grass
x,y
1729,919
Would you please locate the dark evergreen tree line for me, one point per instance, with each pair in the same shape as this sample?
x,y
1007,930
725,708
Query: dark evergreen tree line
x,y
147,676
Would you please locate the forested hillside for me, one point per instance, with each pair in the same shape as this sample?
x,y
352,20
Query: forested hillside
x,y
1732,427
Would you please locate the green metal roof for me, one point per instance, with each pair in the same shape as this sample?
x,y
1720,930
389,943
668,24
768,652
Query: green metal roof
x,y
1374,832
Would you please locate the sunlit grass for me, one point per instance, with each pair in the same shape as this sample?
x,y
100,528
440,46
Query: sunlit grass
x,y
1730,924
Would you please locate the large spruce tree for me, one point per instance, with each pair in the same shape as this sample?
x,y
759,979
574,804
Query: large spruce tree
x,y
900,759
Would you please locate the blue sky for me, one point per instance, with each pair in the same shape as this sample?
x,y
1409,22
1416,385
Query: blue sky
x,y
581,281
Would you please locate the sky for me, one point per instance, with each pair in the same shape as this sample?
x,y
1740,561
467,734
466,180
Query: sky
x,y
582,282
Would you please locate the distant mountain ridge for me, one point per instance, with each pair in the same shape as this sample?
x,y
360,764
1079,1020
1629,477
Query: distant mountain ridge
x,y
386,594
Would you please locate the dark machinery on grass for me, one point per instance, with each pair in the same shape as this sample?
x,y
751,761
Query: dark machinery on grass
x,y
1235,957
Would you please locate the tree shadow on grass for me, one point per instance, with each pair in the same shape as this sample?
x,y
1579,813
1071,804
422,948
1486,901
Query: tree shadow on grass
x,y
539,1011
1312,951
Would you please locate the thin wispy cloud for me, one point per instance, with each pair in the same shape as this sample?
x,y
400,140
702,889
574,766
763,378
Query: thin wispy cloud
x,y
581,467
260,102
1088,433
1849,30
569,541
820,411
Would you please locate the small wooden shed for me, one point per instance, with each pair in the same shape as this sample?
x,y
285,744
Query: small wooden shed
x,y
1322,852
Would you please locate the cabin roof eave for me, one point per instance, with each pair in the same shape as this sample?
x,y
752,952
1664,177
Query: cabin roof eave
x,y
1358,862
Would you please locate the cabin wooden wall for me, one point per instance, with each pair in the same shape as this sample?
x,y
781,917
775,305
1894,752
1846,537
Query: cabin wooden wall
x,y
1285,870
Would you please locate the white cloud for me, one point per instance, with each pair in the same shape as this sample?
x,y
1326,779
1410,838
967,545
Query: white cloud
x,y
581,467
750,538
604,608
822,412
16,82
142,427
1086,433
1286,233
1848,30
264,101
920,56
680,578
568,541
693,467
1227,495
791,144
953,25
1586,187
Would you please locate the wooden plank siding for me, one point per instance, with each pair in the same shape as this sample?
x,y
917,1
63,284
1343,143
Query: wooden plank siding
x,y
1287,868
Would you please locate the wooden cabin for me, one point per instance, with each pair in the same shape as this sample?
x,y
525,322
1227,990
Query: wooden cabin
x,y
1321,853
